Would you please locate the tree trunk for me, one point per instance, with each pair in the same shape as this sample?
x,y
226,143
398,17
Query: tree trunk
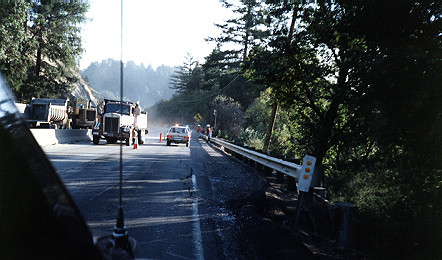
x,y
275,104
292,25
246,37
38,63
322,144
270,127
39,52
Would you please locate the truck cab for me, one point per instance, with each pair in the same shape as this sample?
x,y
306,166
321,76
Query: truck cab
x,y
123,119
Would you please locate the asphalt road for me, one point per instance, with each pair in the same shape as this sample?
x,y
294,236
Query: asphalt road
x,y
175,198
180,202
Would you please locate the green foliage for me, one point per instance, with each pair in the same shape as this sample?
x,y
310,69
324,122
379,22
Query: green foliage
x,y
181,108
393,212
247,29
361,91
198,87
15,44
221,134
358,86
40,44
229,115
187,77
251,138
258,113
54,26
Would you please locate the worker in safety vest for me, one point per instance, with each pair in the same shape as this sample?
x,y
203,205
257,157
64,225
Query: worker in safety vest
x,y
199,130
209,133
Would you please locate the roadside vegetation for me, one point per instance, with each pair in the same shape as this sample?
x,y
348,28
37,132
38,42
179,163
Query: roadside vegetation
x,y
39,45
355,84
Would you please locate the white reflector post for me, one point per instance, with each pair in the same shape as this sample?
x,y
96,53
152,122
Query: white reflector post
x,y
306,174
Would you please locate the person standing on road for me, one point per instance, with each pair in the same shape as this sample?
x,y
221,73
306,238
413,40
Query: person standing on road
x,y
209,133
199,131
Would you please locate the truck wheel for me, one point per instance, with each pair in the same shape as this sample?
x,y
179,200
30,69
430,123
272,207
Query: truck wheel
x,y
128,141
96,139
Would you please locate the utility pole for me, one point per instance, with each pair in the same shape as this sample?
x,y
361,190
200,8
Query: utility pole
x,y
214,113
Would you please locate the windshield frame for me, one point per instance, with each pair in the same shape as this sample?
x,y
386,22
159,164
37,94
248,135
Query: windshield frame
x,y
115,108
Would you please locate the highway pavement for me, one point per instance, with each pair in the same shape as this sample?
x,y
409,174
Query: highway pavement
x,y
179,202
175,198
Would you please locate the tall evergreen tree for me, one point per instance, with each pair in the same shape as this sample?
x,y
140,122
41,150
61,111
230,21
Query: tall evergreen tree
x,y
54,26
186,78
40,43
239,35
247,30
16,47
314,73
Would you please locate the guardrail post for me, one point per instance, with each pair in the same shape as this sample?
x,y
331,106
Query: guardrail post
x,y
279,177
291,184
304,184
267,170
259,166
346,224
251,163
298,208
321,191
318,176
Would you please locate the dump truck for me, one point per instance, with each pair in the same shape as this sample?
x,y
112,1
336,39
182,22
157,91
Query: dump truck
x,y
48,113
122,119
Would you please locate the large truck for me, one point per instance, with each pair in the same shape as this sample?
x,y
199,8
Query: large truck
x,y
48,113
125,118
82,114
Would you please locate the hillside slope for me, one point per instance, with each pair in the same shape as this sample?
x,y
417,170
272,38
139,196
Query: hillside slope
x,y
81,90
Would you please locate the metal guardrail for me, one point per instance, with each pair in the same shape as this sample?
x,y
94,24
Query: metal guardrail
x,y
279,165
342,216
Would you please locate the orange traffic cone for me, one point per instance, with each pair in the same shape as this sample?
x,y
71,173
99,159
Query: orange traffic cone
x,y
136,142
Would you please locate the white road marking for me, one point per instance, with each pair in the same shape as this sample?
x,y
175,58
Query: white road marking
x,y
197,238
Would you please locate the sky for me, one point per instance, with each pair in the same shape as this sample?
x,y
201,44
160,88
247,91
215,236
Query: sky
x,y
154,32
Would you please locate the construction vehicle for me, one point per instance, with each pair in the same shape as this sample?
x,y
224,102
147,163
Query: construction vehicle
x,y
82,114
48,113
122,118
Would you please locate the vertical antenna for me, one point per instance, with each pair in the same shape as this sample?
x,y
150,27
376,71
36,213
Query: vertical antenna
x,y
121,109
120,234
